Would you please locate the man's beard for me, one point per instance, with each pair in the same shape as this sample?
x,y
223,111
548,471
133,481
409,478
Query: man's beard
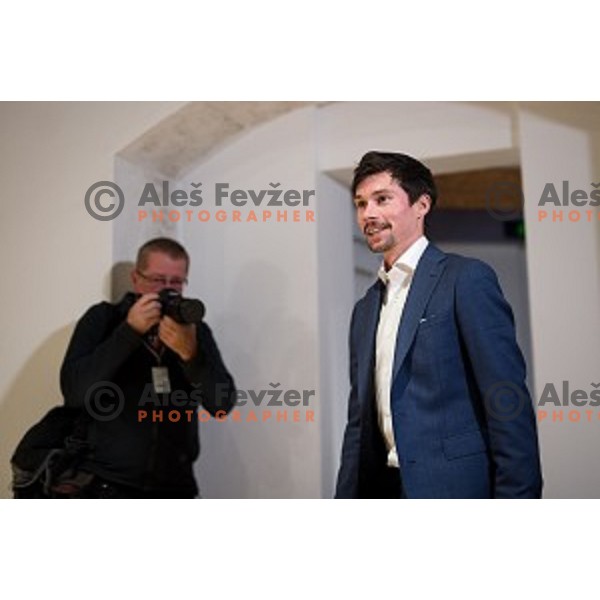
x,y
382,244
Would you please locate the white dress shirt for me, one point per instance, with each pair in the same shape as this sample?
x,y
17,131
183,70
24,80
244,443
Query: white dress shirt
x,y
397,280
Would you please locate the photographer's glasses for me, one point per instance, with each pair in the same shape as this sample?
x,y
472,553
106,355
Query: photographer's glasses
x,y
158,281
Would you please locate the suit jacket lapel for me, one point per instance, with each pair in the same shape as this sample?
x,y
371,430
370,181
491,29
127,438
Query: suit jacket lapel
x,y
426,276
366,350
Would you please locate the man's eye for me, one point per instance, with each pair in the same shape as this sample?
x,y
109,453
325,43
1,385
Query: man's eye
x,y
382,199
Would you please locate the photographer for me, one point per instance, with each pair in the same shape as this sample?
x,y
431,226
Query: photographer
x,y
116,351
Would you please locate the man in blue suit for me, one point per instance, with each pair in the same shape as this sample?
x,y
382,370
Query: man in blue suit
x,y
438,405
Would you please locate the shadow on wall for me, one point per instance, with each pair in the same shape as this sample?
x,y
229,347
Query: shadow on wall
x,y
34,391
36,388
121,280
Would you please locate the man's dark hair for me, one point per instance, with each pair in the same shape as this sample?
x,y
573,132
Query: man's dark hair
x,y
410,174
167,246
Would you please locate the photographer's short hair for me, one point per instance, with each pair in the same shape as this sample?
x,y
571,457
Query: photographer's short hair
x,y
410,174
165,245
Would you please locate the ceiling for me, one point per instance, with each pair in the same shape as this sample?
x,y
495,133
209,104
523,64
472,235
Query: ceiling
x,y
198,129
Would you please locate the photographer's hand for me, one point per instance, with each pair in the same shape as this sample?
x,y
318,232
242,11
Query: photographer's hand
x,y
180,338
144,313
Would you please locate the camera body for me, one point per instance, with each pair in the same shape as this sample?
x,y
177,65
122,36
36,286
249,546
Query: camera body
x,y
180,309
173,304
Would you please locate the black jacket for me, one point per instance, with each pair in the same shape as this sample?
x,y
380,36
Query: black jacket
x,y
107,371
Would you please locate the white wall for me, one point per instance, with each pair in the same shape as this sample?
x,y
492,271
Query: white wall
x,y
259,283
564,293
57,258
336,300
423,129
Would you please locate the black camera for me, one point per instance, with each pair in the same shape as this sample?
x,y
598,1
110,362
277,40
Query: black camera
x,y
180,309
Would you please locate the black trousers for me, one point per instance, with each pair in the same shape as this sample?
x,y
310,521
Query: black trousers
x,y
101,488
391,484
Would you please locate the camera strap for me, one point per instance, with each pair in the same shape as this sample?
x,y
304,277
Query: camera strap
x,y
160,373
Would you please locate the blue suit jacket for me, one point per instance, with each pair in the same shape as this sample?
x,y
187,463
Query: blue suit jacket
x,y
463,419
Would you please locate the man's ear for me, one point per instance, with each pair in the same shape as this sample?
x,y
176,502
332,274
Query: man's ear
x,y
423,205
134,277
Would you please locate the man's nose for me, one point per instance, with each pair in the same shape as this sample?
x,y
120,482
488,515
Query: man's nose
x,y
371,211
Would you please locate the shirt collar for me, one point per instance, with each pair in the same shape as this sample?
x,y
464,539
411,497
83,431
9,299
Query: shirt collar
x,y
407,262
